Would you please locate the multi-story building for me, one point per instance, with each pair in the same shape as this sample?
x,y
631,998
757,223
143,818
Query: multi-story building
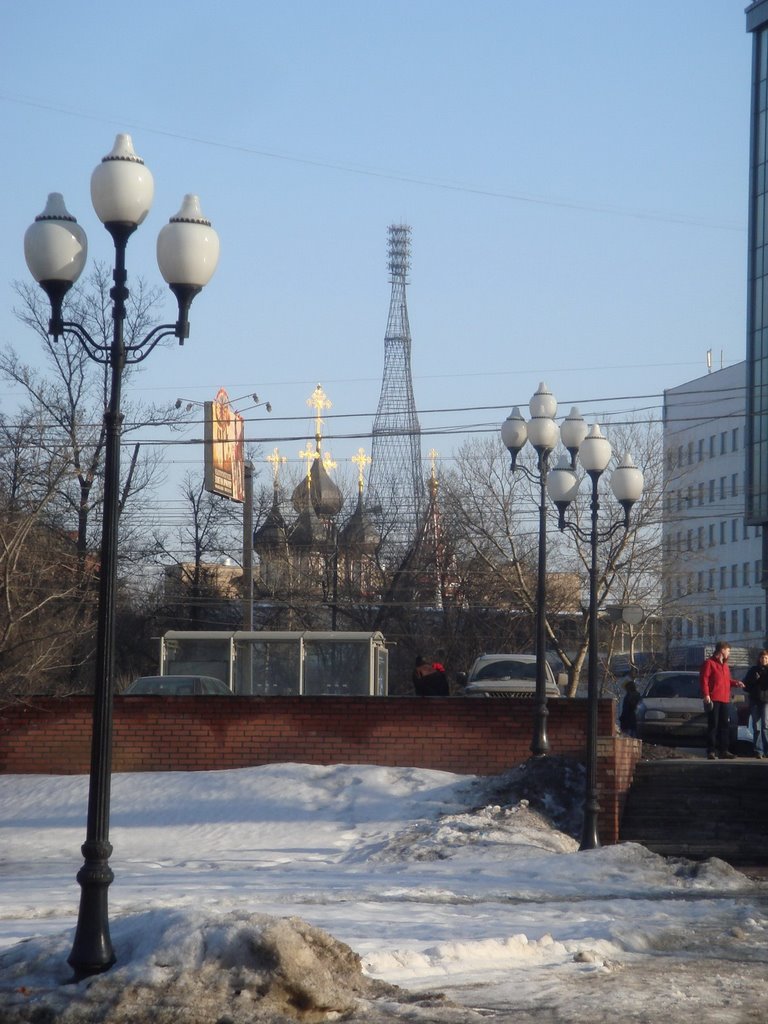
x,y
712,555
756,497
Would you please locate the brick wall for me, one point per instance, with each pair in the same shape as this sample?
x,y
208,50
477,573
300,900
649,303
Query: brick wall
x,y
464,735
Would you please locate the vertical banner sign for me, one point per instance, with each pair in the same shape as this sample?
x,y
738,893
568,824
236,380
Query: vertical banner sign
x,y
224,449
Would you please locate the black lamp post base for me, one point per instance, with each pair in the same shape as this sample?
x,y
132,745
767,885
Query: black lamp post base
x,y
92,951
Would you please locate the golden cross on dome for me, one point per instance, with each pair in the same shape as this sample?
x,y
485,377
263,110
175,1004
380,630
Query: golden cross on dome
x,y
319,401
309,455
277,461
433,459
361,460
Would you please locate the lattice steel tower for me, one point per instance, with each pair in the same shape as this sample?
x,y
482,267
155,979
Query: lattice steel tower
x,y
396,482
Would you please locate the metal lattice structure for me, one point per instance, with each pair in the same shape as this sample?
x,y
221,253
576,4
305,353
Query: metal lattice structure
x,y
396,482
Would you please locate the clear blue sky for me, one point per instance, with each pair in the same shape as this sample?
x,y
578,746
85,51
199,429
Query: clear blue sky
x,y
575,175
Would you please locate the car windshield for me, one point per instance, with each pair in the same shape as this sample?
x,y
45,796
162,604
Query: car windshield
x,y
674,686
177,686
507,670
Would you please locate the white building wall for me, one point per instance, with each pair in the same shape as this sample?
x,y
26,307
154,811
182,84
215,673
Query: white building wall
x,y
711,558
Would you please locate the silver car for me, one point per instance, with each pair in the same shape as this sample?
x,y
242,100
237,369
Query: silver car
x,y
671,711
506,675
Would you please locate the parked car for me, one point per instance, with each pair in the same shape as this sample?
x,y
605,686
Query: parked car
x,y
671,711
177,686
505,675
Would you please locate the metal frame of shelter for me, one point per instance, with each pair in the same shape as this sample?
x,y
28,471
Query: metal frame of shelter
x,y
282,663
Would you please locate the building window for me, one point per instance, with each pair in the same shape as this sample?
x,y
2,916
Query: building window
x,y
711,491
758,618
758,572
734,620
745,569
690,453
701,493
711,535
735,439
700,538
722,488
721,623
679,455
723,577
745,621
712,446
734,485
700,450
734,529
711,585
734,576
723,439
722,531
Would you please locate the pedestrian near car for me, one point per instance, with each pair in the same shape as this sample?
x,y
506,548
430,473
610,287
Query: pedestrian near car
x,y
628,716
430,679
716,683
756,685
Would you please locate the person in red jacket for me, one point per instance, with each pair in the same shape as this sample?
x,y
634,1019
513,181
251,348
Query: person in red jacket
x,y
716,682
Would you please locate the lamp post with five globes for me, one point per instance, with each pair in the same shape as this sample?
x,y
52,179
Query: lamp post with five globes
x,y
627,485
55,248
543,434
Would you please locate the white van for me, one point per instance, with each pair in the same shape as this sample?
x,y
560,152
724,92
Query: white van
x,y
506,675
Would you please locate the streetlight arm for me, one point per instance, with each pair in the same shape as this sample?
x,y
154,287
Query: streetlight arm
x,y
101,353
565,525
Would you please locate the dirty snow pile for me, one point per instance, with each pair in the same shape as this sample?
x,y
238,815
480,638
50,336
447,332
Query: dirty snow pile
x,y
311,893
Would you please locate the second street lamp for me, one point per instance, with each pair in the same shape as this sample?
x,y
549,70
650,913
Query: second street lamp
x,y
55,248
543,434
627,485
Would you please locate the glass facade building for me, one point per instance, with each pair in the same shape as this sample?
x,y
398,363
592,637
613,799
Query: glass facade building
x,y
757,300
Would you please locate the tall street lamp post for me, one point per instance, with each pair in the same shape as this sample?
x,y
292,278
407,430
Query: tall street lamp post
x,y
55,247
627,486
543,434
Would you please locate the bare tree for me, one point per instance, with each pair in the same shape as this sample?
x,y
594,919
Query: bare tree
x,y
209,534
72,392
45,611
60,430
493,516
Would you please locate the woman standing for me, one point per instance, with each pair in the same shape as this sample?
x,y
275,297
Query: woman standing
x,y
756,685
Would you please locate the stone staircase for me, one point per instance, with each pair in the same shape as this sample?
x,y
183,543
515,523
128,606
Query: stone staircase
x,y
697,808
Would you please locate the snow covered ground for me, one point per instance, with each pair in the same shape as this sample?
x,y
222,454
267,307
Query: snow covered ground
x,y
237,893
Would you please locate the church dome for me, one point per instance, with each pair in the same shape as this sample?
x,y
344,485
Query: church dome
x,y
273,532
360,534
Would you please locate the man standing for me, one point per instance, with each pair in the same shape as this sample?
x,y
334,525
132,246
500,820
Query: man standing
x,y
716,682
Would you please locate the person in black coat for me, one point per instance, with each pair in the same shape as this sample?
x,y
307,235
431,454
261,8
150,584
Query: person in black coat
x,y
628,716
429,679
756,685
